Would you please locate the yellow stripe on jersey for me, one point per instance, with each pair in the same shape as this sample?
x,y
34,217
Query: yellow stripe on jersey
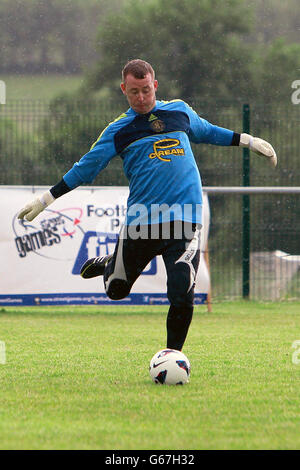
x,y
118,118
171,101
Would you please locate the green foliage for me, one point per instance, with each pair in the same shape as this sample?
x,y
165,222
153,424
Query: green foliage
x,y
49,35
193,54
280,66
273,19
60,35
17,165
196,56
68,132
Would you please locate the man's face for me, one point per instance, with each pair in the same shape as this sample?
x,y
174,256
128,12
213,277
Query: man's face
x,y
140,93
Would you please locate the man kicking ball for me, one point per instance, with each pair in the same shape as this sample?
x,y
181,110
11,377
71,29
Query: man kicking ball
x,y
164,208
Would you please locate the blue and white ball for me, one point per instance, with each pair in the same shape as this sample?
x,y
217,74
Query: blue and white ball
x,y
170,367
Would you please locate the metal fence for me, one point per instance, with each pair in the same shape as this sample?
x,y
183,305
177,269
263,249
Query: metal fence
x,y
268,267
40,141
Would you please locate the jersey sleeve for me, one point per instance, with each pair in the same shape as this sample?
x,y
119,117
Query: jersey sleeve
x,y
94,161
202,131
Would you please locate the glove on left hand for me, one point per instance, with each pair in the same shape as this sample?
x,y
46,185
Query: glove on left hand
x,y
259,146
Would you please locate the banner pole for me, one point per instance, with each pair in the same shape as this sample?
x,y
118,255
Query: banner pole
x,y
246,207
208,301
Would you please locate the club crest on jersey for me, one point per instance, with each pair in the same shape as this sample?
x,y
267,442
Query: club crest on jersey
x,y
164,148
157,125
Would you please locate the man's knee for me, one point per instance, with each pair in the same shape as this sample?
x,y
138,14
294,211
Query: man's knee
x,y
181,300
181,296
181,292
117,289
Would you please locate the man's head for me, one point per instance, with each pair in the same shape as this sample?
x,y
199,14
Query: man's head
x,y
139,85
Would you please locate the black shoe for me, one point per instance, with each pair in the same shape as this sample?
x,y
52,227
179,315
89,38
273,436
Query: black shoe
x,y
94,267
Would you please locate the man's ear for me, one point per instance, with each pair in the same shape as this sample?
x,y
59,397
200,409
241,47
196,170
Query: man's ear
x,y
155,85
123,88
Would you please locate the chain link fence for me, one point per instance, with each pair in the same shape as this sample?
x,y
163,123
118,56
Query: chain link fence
x,y
274,246
40,141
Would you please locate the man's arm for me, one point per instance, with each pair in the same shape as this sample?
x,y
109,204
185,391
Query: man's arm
x,y
31,210
203,131
84,171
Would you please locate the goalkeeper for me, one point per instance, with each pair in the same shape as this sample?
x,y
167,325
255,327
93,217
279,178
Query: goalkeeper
x,y
164,217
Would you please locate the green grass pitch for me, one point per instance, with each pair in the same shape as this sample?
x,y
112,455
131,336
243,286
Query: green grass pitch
x,y
39,87
77,378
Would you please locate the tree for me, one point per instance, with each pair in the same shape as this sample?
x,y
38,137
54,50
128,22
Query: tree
x,y
50,35
68,132
280,66
195,47
273,19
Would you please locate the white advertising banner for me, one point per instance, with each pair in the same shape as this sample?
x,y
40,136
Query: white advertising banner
x,y
41,260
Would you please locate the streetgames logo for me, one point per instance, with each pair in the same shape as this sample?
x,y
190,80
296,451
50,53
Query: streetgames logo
x,y
165,147
51,236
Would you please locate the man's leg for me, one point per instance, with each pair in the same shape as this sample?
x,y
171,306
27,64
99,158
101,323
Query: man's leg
x,y
129,260
181,259
121,269
94,267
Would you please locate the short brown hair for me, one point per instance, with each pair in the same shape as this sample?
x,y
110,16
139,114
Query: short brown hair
x,y
138,68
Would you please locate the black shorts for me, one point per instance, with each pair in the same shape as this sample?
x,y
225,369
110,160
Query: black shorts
x,y
180,252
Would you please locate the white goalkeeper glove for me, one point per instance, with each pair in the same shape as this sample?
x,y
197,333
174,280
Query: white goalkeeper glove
x,y
31,210
259,146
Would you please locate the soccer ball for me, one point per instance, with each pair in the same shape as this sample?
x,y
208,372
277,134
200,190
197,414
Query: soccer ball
x,y
170,367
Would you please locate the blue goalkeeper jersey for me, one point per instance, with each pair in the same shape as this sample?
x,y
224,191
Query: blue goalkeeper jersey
x,y
164,180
